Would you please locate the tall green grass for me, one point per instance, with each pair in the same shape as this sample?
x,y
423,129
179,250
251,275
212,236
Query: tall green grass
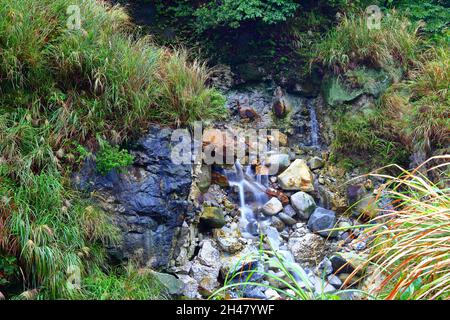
x,y
409,250
353,43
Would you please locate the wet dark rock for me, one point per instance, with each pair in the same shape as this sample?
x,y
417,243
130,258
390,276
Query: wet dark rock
x,y
340,265
149,201
322,219
280,105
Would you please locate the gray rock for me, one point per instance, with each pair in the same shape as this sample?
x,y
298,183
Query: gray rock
x,y
272,207
272,294
205,276
322,287
289,210
277,162
273,236
324,267
334,281
173,285
190,289
304,204
287,219
277,223
309,248
208,254
322,219
228,241
254,292
315,163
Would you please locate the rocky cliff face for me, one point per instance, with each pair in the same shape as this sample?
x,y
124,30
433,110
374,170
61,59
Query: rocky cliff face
x,y
148,202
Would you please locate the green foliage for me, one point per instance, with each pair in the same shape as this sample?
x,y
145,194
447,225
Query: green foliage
x,y
419,105
407,250
366,139
112,157
121,283
231,13
435,16
8,269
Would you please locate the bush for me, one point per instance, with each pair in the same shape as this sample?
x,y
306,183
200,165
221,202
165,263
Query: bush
x,y
419,105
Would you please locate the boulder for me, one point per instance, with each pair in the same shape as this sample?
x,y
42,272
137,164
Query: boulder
x,y
227,241
303,204
212,217
205,276
322,219
148,202
272,207
297,177
190,289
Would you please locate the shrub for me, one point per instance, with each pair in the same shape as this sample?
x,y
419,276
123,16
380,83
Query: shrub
x,y
419,105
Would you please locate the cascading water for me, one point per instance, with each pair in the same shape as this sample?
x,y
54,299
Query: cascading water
x,y
314,124
252,196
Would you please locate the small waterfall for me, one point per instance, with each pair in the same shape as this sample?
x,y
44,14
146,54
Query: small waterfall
x,y
314,124
249,188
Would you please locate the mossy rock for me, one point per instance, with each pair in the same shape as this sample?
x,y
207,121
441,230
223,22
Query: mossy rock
x,y
212,217
336,93
338,90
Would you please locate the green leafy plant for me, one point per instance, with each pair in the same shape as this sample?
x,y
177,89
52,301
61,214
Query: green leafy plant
x,y
112,157
8,269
